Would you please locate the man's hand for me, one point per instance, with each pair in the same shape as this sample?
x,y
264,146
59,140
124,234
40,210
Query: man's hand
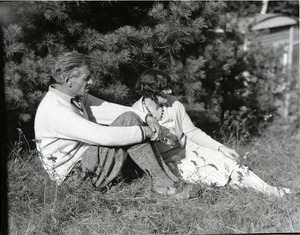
x,y
154,126
148,132
230,153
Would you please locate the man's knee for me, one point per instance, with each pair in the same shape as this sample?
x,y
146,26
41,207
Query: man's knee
x,y
131,115
128,119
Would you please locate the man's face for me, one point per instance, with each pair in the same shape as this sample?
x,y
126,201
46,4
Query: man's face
x,y
81,81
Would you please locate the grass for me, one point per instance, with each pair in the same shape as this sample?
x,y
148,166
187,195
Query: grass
x,y
37,206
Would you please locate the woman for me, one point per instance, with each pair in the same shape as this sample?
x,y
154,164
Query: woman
x,y
189,152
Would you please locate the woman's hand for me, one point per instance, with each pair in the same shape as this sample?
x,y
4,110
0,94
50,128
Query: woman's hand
x,y
230,153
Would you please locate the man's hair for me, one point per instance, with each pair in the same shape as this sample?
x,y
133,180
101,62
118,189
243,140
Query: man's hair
x,y
152,82
67,64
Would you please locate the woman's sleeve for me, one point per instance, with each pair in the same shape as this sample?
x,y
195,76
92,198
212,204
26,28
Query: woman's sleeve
x,y
193,133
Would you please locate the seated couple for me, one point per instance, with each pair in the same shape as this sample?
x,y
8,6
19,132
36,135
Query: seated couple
x,y
83,138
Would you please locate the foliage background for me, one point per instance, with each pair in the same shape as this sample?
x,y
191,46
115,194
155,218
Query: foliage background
x,y
226,91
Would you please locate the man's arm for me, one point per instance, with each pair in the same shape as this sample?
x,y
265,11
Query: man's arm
x,y
74,127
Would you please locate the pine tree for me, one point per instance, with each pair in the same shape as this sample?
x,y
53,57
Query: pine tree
x,y
125,38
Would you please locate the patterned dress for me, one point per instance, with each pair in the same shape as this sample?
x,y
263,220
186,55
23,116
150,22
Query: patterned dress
x,y
195,163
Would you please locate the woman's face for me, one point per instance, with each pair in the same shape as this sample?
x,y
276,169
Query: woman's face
x,y
162,98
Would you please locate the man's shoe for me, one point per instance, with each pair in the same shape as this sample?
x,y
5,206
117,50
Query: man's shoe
x,y
182,194
173,192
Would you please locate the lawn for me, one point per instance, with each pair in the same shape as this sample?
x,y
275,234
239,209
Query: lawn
x,y
37,206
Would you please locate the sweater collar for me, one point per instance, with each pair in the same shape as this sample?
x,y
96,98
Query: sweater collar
x,y
79,103
65,97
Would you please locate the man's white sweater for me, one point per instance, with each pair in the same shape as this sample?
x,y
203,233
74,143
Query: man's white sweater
x,y
64,132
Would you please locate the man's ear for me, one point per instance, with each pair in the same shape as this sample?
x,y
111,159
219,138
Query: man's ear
x,y
68,81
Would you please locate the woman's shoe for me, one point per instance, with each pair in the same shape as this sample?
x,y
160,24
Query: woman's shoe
x,y
292,193
288,192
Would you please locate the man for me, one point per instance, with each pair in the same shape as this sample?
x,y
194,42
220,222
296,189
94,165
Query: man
x,y
82,137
